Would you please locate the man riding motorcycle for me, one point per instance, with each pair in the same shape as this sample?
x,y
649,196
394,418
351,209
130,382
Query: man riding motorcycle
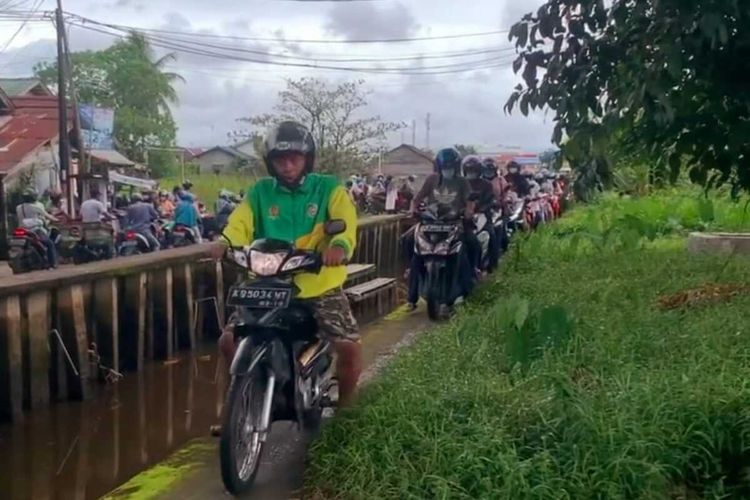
x,y
451,193
293,204
32,215
483,194
139,217
490,174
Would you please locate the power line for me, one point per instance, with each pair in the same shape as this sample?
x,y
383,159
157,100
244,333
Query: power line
x,y
282,40
36,7
191,49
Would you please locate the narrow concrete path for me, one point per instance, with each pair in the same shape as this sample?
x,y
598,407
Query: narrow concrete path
x,y
193,473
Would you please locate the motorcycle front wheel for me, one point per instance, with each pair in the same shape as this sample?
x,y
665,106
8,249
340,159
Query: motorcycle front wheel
x,y
241,446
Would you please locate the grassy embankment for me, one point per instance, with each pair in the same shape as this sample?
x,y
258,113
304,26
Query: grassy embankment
x,y
580,372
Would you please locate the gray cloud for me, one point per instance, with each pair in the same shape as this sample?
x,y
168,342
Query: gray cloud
x,y
355,20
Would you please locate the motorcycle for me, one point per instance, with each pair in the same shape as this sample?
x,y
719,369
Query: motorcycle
x,y
96,243
27,252
181,236
132,243
500,224
281,370
439,241
516,219
483,226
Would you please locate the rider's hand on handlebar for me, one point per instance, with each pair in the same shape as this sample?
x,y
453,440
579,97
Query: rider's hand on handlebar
x,y
334,256
218,248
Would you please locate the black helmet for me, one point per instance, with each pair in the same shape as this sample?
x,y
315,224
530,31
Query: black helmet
x,y
472,167
289,136
514,167
29,195
489,168
187,185
448,159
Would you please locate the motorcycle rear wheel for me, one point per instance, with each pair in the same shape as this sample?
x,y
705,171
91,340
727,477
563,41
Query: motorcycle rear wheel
x,y
240,460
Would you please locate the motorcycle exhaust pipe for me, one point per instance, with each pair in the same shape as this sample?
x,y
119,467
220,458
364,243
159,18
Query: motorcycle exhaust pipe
x,y
265,421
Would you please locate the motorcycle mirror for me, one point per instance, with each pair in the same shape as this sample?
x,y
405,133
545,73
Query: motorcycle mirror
x,y
334,227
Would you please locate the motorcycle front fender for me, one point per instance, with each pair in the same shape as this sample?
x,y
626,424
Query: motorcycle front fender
x,y
246,358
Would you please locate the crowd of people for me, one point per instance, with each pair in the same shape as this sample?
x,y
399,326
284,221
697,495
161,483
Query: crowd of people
x,y
508,184
460,188
142,212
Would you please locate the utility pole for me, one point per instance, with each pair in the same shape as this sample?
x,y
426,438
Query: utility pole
x,y
63,140
3,219
414,133
427,132
84,156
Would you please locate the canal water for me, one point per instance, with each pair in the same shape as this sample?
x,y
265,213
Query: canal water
x,y
82,450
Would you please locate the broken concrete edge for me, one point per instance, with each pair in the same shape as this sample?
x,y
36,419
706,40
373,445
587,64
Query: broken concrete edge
x,y
158,479
718,243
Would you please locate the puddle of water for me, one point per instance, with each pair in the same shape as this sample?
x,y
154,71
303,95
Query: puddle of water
x,y
84,450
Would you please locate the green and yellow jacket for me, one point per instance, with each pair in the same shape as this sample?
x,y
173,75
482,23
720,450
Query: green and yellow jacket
x,y
270,210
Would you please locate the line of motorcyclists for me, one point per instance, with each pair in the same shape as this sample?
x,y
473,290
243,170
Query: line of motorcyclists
x,y
136,224
467,213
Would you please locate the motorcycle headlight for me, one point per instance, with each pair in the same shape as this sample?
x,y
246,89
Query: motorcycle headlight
x,y
265,264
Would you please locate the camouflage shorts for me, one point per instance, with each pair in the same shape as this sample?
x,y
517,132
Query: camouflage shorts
x,y
334,316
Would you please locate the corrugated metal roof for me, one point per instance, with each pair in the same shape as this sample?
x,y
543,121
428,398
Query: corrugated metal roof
x,y
33,123
111,156
228,150
21,86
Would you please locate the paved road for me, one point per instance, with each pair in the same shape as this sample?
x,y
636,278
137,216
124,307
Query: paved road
x,y
283,464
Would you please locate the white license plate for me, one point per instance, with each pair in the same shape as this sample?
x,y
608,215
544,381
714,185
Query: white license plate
x,y
259,297
18,242
130,243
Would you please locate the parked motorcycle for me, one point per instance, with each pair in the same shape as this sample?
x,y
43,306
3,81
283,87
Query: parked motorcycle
x,y
27,252
281,369
439,241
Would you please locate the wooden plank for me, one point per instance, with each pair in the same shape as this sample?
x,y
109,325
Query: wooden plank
x,y
37,313
11,371
107,333
70,304
59,371
133,331
160,296
184,306
221,291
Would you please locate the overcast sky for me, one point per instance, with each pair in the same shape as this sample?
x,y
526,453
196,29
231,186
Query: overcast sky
x,y
465,107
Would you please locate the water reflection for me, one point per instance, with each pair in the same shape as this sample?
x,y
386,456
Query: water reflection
x,y
83,450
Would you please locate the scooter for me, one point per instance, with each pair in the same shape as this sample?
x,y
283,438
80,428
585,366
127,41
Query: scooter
x,y
132,243
96,243
27,251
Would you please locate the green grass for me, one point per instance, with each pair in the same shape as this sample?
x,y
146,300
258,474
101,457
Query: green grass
x,y
564,379
207,187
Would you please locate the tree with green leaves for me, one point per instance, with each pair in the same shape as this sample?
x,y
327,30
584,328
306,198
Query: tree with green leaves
x,y
662,80
347,139
466,149
128,78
